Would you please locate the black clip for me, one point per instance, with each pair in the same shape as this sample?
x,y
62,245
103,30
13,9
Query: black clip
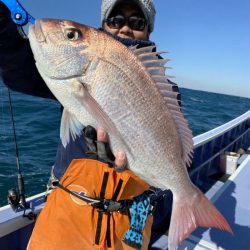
x,y
106,206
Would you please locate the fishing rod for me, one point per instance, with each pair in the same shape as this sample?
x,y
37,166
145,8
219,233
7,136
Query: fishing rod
x,y
16,198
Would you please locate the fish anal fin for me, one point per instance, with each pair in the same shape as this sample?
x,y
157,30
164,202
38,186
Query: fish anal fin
x,y
188,215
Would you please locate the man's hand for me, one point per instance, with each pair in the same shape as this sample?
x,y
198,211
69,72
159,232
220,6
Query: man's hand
x,y
98,148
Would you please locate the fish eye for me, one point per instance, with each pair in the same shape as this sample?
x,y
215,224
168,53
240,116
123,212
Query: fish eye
x,y
73,34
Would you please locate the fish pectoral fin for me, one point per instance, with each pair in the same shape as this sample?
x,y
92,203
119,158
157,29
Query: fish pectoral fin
x,y
92,106
97,112
70,127
188,214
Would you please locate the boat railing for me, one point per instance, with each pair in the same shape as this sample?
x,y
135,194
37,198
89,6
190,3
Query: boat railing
x,y
209,147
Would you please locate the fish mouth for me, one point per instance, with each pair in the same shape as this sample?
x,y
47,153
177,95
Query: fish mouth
x,y
38,32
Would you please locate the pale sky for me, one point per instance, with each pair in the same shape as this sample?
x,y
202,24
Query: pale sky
x,y
208,41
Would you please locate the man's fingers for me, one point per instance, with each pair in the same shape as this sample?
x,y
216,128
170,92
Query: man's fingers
x,y
104,152
102,139
102,135
103,148
120,161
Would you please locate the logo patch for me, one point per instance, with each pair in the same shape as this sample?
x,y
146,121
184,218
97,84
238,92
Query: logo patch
x,y
79,190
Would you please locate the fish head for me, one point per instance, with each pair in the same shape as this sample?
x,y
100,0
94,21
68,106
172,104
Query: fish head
x,y
60,48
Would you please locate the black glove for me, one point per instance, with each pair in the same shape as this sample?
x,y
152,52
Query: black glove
x,y
99,150
4,11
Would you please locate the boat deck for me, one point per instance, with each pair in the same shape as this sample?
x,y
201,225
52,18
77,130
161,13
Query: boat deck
x,y
234,203
231,199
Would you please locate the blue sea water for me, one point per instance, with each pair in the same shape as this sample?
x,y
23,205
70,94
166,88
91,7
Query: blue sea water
x,y
37,129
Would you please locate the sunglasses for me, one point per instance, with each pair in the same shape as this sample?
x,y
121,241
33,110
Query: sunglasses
x,y
134,22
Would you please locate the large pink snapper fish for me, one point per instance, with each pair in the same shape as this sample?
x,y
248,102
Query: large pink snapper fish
x,y
102,83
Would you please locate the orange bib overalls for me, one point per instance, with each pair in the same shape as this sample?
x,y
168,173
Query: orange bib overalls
x,y
69,223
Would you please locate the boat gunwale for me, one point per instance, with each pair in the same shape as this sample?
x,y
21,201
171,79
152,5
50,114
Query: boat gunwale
x,y
218,131
16,220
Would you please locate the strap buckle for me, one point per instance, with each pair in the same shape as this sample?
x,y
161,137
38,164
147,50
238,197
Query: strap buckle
x,y
112,206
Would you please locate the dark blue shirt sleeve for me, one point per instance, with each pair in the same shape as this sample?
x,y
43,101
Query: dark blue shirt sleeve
x,y
17,65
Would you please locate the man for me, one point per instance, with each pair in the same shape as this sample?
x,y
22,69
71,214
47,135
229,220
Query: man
x,y
126,19
131,23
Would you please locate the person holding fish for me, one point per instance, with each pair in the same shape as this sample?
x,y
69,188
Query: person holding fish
x,y
102,82
123,20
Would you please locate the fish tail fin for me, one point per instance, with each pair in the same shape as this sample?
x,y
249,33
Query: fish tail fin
x,y
188,214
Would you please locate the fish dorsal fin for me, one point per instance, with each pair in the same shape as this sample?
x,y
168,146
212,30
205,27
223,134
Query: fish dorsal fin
x,y
156,68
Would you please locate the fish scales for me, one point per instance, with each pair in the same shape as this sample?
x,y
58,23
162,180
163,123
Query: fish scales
x,y
145,107
100,82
